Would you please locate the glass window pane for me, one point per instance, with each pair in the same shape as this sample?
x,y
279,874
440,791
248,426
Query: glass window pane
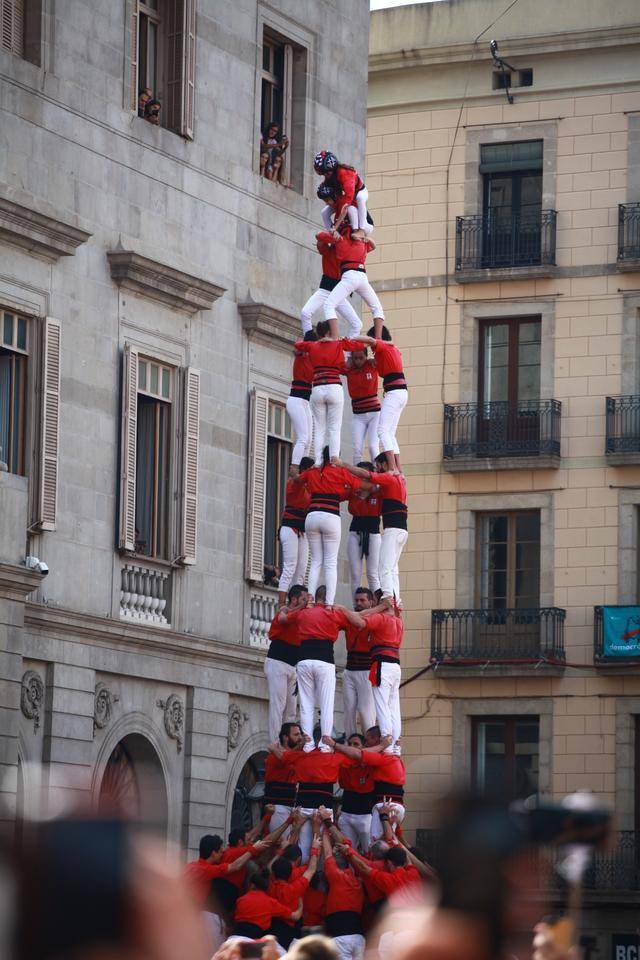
x,y
528,526
5,406
527,758
490,757
271,503
142,375
8,329
145,469
153,388
497,527
166,379
162,491
266,57
152,56
278,63
496,362
22,334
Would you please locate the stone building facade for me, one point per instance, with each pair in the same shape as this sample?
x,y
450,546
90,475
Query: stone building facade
x,y
150,284
507,198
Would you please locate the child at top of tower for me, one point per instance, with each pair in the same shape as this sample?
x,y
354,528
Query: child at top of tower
x,y
351,194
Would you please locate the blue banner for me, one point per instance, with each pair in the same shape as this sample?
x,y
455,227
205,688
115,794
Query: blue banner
x,y
621,631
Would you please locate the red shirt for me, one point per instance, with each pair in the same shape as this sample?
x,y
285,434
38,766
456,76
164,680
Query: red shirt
x,y
388,358
394,498
358,778
362,384
318,622
330,265
229,854
301,377
287,631
386,631
288,892
314,908
371,506
326,357
385,766
276,769
198,875
401,884
351,255
316,766
296,503
259,908
372,891
328,486
357,643
349,181
345,889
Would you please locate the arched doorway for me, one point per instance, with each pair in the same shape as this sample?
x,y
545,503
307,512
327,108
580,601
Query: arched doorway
x,y
133,784
248,793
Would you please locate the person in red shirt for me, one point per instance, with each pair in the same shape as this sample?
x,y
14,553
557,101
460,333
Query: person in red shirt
x,y
393,487
345,902
351,253
288,890
280,665
314,905
364,540
397,878
279,788
328,486
318,627
357,696
350,189
385,636
395,392
362,383
293,540
210,865
255,911
326,355
299,405
357,800
330,279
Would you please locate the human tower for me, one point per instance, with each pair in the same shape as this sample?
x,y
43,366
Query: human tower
x,y
362,858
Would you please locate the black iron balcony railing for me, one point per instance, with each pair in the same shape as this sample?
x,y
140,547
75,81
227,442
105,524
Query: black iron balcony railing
x,y
502,429
504,635
628,232
623,425
629,635
616,869
493,240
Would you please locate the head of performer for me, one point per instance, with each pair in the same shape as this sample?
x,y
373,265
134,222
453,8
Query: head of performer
x,y
259,880
210,848
325,162
293,854
291,737
372,736
395,859
310,335
296,597
321,594
359,358
323,329
341,861
237,838
327,194
384,335
378,849
306,463
281,868
363,599
356,740
381,464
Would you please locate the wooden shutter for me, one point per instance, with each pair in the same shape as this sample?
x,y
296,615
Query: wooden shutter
x,y
188,69
175,31
133,95
287,107
257,485
12,17
191,430
49,426
128,441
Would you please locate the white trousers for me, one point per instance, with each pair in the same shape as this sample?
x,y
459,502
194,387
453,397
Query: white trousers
x,y
353,281
316,687
376,823
358,214
281,682
357,698
305,837
344,310
350,946
299,411
364,429
295,553
278,817
323,532
393,541
327,403
372,561
357,828
386,697
393,403
215,928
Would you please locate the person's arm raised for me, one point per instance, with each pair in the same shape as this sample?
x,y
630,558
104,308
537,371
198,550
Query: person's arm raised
x,y
354,618
356,861
356,471
354,753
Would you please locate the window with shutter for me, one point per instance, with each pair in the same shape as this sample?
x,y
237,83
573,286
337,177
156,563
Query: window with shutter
x,y
191,430
282,111
14,366
128,441
49,426
12,38
257,485
133,93
189,69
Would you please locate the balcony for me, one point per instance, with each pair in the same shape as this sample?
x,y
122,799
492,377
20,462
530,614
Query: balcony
x,y
512,639
263,606
629,236
501,436
622,444
620,650
496,247
145,593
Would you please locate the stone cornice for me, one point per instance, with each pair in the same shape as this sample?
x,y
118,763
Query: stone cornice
x,y
37,232
271,326
117,634
161,282
16,582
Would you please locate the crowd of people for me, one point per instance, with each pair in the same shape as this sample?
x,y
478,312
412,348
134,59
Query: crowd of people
x,y
328,866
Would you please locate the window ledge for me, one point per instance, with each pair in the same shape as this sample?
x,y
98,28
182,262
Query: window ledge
x,y
271,326
618,667
482,464
628,266
450,670
496,274
161,282
37,232
621,459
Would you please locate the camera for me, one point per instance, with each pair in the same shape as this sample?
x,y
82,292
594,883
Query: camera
x,y
34,563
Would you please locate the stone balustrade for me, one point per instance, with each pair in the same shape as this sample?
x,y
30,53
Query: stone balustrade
x,y
264,603
145,593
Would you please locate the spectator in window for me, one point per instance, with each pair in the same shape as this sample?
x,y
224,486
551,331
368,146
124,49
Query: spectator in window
x,y
152,112
271,575
273,138
265,166
276,171
144,96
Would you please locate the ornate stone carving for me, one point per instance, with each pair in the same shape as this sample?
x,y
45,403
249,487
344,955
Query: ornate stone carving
x,y
32,697
103,706
173,718
237,719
